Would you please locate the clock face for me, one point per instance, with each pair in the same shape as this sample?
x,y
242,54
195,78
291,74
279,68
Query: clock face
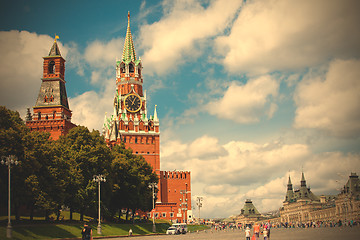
x,y
132,103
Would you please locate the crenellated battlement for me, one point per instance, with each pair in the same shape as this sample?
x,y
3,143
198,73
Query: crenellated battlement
x,y
174,174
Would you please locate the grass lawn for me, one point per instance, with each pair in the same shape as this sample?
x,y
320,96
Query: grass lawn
x,y
73,230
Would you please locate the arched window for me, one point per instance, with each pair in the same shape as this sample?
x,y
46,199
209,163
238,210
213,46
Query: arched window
x,y
39,115
122,68
51,67
131,68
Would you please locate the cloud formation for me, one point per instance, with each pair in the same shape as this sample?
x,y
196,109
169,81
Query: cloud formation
x,y
247,170
176,37
21,60
285,35
331,101
247,103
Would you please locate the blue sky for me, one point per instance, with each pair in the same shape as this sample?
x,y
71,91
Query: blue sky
x,y
246,92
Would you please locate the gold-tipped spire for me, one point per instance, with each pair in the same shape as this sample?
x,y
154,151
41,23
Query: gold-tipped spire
x,y
56,37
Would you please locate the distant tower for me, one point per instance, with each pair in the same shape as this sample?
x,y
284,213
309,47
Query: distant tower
x,y
51,112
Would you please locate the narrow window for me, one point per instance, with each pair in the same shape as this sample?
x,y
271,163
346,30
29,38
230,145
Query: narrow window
x,y
51,67
131,68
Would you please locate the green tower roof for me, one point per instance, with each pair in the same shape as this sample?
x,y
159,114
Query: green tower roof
x,y
129,49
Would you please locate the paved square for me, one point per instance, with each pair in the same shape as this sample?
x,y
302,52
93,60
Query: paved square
x,y
338,233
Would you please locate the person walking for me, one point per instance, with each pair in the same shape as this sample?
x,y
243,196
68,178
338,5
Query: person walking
x,y
265,232
257,231
247,233
130,232
86,232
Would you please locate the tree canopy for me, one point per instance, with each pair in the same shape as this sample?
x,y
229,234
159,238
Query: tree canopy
x,y
56,174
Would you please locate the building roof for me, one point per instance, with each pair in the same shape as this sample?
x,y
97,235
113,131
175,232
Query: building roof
x,y
352,186
249,210
54,51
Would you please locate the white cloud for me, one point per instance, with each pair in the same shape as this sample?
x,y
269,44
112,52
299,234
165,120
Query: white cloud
x,y
103,54
290,35
331,102
206,147
246,103
21,62
256,171
175,38
90,107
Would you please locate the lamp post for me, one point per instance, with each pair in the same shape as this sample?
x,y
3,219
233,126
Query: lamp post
x,y
11,159
99,178
184,204
153,186
199,204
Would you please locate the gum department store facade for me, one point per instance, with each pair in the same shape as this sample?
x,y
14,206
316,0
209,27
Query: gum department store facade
x,y
129,124
301,205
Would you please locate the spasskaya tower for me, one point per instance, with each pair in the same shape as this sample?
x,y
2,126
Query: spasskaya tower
x,y
129,123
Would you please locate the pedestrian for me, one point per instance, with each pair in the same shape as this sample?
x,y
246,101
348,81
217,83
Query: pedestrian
x,y
265,232
86,232
257,231
247,233
130,232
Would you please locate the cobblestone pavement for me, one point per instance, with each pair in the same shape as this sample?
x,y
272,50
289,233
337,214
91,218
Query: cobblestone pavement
x,y
338,233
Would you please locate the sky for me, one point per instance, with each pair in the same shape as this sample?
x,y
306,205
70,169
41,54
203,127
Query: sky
x,y
248,93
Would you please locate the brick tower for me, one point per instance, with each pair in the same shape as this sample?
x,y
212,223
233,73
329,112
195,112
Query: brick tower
x,y
131,125
51,112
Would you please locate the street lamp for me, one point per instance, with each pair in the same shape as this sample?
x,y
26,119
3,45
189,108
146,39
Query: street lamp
x,y
99,178
153,186
199,204
184,204
11,159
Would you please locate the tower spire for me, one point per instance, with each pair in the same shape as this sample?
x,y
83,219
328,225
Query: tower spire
x,y
289,185
55,51
303,181
129,49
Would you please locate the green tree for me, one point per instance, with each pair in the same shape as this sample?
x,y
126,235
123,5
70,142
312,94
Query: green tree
x,y
87,155
131,176
43,169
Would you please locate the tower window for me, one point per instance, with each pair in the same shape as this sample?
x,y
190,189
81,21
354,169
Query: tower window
x,y
136,140
51,67
122,68
131,68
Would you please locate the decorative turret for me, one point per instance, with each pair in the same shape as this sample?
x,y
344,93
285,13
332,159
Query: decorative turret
x,y
302,182
290,193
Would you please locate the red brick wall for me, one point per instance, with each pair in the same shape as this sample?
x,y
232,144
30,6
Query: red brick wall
x,y
172,183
